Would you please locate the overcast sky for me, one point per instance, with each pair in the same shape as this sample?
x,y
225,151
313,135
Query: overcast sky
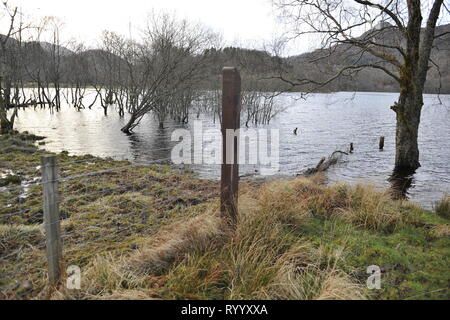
x,y
244,22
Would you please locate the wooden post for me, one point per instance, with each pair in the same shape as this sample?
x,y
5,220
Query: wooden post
x,y
51,218
381,145
231,107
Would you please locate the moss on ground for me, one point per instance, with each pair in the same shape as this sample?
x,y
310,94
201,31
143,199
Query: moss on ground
x,y
108,213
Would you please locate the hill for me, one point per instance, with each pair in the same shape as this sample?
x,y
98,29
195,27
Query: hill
x,y
95,65
323,63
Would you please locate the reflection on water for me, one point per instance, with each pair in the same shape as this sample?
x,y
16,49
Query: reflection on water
x,y
401,183
325,122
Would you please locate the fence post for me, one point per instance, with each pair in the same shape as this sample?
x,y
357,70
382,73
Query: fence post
x,y
231,108
381,144
51,217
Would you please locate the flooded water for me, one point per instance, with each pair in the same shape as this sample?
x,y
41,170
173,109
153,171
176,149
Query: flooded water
x,y
325,122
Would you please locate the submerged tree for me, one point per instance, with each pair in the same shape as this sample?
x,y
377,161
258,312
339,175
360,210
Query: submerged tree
x,y
22,62
164,68
387,35
10,66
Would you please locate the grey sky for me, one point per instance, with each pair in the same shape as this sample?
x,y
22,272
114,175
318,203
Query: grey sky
x,y
244,22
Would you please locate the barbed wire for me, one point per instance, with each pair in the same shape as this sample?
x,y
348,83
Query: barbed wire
x,y
18,235
11,214
60,164
28,185
66,163
79,216
16,213
109,235
88,174
65,200
156,202
36,167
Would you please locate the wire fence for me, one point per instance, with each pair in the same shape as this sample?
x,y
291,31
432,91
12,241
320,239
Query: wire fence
x,y
76,213
72,214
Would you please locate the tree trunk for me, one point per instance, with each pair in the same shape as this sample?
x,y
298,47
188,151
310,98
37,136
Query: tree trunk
x,y
5,125
408,111
129,126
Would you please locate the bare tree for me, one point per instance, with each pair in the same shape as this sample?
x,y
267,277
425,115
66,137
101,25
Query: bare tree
x,y
394,40
164,67
107,67
6,70
53,64
75,75
259,100
12,70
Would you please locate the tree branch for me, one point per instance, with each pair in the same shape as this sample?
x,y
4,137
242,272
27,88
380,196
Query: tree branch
x,y
392,15
427,42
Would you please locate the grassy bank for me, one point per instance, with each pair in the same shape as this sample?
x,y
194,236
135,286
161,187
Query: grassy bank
x,y
154,233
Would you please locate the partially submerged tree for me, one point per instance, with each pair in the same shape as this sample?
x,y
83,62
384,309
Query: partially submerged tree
x,y
10,65
164,68
386,35
27,61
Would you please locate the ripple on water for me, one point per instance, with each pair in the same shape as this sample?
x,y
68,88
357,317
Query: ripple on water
x,y
325,122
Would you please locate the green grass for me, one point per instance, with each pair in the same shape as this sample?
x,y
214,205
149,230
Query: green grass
x,y
294,240
110,213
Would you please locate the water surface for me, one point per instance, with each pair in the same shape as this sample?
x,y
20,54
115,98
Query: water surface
x,y
325,122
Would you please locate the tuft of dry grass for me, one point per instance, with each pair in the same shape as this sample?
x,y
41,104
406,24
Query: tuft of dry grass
x,y
442,208
105,279
440,231
309,273
362,206
198,276
259,241
172,244
133,276
137,294
376,210
12,230
267,262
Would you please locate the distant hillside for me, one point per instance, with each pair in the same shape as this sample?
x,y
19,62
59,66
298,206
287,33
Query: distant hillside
x,y
305,65
49,48
93,66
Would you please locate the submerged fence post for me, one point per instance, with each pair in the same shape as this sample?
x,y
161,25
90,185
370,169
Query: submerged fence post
x,y
231,108
51,217
381,144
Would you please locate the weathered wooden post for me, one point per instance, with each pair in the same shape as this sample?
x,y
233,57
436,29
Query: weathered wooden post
x,y
231,108
381,145
51,218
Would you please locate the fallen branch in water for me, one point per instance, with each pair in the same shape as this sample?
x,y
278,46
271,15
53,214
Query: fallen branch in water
x,y
26,105
325,163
